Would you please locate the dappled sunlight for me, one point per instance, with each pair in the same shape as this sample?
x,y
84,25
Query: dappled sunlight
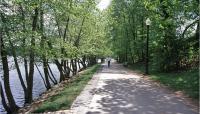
x,y
126,96
119,93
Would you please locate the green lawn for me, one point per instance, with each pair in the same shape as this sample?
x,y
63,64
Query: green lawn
x,y
187,81
64,99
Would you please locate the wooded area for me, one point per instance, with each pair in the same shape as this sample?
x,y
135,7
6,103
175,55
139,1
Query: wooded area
x,y
73,34
174,32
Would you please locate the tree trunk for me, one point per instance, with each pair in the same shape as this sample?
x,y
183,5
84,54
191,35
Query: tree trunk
x,y
74,66
3,99
44,59
62,78
24,41
68,68
13,51
79,67
46,73
12,105
52,75
59,66
41,76
32,59
84,62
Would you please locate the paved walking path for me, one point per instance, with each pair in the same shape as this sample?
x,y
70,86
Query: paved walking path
x,y
116,90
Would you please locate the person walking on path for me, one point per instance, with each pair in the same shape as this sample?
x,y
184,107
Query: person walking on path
x,y
108,60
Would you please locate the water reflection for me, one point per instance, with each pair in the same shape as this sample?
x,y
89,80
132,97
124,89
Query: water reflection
x,y
16,88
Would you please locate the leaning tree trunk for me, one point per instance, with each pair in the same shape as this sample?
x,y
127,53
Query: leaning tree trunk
x,y
59,66
3,100
66,69
24,42
32,59
13,51
11,102
79,66
74,66
42,45
84,62
51,73
46,73
24,49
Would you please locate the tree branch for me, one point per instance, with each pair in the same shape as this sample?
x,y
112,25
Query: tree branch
x,y
187,27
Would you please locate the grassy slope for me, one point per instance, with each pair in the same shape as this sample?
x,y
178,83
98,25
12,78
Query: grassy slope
x,y
64,99
187,81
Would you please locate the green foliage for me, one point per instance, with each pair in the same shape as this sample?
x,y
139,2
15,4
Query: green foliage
x,y
91,32
170,47
186,81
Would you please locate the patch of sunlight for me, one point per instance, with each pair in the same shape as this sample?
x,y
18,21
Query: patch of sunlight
x,y
103,4
180,79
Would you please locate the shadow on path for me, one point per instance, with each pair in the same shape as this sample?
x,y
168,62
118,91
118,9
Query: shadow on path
x,y
132,96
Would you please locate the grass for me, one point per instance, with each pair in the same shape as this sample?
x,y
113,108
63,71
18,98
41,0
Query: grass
x,y
65,98
186,81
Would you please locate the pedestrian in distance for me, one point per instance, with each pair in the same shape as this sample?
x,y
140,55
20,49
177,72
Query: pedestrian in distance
x,y
108,60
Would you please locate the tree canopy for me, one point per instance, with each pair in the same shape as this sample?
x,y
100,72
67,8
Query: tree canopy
x,y
74,34
174,32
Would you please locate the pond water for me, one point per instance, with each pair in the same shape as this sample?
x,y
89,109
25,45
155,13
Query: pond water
x,y
16,88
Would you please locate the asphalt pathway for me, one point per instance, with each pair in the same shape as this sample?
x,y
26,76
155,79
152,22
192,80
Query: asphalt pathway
x,y
117,90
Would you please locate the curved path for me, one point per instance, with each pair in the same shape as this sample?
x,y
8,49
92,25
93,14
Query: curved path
x,y
116,90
